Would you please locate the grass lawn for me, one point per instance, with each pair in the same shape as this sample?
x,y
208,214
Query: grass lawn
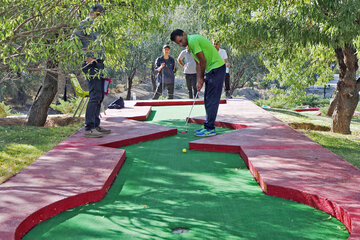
x,y
346,146
21,145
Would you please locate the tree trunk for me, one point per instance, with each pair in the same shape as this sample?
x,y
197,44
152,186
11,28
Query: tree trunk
x,y
236,81
346,95
38,111
129,83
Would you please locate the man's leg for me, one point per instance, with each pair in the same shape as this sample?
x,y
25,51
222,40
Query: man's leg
x,y
193,83
227,85
170,87
189,85
158,91
213,88
101,96
96,92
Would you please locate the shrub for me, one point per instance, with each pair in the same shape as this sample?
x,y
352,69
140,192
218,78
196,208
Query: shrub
x,y
67,107
4,110
178,86
313,100
274,103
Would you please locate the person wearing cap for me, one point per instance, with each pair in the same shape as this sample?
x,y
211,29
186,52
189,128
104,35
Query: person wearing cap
x,y
93,67
166,68
210,69
223,55
186,60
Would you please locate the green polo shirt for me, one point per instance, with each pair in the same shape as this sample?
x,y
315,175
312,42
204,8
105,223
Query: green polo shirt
x,y
198,43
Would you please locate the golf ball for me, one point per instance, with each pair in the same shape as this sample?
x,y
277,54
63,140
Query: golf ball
x,y
184,150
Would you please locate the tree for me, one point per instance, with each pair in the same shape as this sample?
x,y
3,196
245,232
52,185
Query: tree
x,y
244,69
299,38
140,57
35,36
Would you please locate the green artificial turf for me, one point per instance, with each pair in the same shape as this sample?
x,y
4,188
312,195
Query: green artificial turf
x,y
213,195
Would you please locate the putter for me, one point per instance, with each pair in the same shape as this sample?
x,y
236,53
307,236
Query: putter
x,y
187,119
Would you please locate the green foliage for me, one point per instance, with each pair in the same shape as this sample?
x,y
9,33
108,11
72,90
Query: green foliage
x,y
5,110
283,101
274,103
297,39
34,31
179,86
245,69
67,107
313,100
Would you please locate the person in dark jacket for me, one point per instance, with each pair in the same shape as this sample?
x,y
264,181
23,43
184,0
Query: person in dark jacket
x,y
93,68
166,68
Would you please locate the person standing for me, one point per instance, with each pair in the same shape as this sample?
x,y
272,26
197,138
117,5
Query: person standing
x,y
224,56
186,60
210,69
93,68
165,65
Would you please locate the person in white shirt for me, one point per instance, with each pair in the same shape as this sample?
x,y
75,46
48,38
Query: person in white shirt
x,y
223,55
186,60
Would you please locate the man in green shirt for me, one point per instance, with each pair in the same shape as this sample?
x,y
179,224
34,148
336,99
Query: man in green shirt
x,y
210,69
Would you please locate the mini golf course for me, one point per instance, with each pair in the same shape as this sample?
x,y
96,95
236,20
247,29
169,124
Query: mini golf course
x,y
229,186
205,195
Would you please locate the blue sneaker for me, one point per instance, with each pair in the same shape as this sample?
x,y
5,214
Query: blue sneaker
x,y
199,129
205,133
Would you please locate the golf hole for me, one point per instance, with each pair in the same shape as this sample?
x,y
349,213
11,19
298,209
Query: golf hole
x,y
180,230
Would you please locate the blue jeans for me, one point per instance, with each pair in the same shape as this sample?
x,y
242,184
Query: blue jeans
x,y
214,81
96,93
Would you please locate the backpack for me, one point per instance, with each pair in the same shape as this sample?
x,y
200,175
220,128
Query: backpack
x,y
117,104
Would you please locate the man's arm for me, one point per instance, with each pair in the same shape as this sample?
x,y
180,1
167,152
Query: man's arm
x,y
159,66
180,62
180,58
200,70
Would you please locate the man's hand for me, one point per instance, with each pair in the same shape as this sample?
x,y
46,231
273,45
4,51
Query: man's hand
x,y
200,70
199,84
90,60
161,67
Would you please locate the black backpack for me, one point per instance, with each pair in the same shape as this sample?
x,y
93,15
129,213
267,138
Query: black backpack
x,y
117,104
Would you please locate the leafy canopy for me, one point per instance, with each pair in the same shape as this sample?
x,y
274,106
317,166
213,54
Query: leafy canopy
x,y
296,38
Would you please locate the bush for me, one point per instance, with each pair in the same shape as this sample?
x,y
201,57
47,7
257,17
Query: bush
x,y
274,103
178,86
313,100
4,110
67,107
310,100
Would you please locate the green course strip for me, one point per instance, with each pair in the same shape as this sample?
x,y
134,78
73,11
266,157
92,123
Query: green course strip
x,y
213,195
